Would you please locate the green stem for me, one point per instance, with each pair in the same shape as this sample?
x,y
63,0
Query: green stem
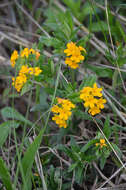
x,y
72,73
23,138
54,95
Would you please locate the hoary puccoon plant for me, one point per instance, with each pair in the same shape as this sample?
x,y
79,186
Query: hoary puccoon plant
x,y
60,97
28,68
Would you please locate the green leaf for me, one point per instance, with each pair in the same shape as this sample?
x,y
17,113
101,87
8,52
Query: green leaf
x,y
52,67
69,19
83,40
5,176
67,86
43,102
86,10
68,152
11,113
83,115
29,155
5,129
79,174
116,148
88,145
99,26
43,97
118,127
27,87
51,42
102,162
105,154
107,129
86,116
72,167
88,81
74,6
74,146
100,71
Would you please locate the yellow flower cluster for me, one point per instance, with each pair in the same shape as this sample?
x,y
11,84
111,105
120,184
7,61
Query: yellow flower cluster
x,y
14,57
102,143
62,112
93,99
74,55
24,53
30,70
19,81
23,75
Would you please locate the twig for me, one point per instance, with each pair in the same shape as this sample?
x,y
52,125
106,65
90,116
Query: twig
x,y
6,4
114,99
112,177
13,40
108,66
113,44
17,30
66,162
114,107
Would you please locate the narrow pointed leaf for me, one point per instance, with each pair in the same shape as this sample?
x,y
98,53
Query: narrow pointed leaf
x,y
29,155
5,176
11,113
5,129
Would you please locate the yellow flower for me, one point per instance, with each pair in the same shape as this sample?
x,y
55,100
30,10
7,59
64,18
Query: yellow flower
x,y
31,70
77,57
62,112
60,100
37,55
55,109
85,93
24,70
68,105
94,110
101,102
36,71
71,63
74,55
59,121
70,48
92,98
14,57
82,49
19,81
31,51
90,102
102,143
96,91
25,53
